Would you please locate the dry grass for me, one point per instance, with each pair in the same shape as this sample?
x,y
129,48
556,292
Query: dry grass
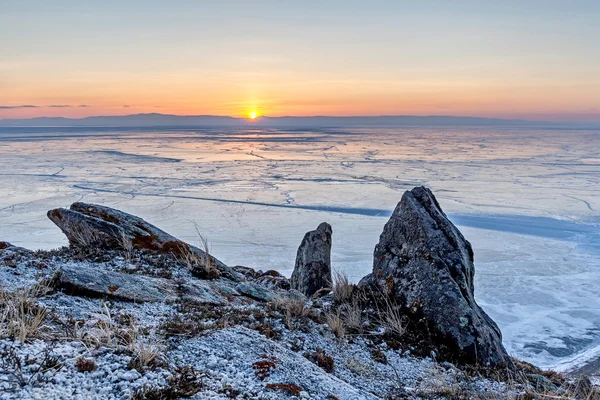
x,y
351,314
391,318
18,372
21,318
336,324
145,354
200,265
293,311
342,288
204,245
185,382
127,246
84,237
101,331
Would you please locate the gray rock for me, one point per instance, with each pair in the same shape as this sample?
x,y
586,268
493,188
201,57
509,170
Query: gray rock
x,y
425,262
90,225
6,246
313,261
201,292
93,282
255,291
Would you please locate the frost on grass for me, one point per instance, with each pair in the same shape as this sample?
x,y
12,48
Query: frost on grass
x,y
350,344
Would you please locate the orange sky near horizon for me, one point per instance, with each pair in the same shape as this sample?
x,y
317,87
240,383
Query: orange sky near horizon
x,y
342,58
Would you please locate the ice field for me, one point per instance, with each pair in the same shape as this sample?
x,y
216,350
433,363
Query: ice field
x,y
528,200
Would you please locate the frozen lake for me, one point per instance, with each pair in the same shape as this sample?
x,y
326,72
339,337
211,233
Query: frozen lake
x,y
528,200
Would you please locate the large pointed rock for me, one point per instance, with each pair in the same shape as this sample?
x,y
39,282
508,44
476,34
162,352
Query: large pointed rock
x,y
91,225
427,265
313,261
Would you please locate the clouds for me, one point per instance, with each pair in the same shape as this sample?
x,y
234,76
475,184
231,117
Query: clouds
x,y
17,107
43,106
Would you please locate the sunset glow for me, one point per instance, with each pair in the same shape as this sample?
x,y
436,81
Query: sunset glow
x,y
489,59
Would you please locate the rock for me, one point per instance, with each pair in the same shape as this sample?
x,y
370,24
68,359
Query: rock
x,y
424,261
248,272
541,383
201,292
90,225
93,282
274,280
313,261
254,291
11,247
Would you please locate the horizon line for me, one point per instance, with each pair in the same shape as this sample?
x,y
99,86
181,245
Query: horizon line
x,y
275,117
351,119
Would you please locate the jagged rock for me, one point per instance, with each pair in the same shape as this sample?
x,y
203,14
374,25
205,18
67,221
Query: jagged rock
x,y
313,261
90,225
425,262
94,282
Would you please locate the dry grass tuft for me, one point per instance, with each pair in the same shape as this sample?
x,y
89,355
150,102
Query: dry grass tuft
x,y
82,236
336,324
21,318
185,382
293,310
200,265
101,331
146,355
351,314
342,288
127,246
391,318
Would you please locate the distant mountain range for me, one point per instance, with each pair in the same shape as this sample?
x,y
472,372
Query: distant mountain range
x,y
166,120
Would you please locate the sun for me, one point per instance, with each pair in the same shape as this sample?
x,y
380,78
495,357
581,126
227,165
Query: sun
x,y
252,115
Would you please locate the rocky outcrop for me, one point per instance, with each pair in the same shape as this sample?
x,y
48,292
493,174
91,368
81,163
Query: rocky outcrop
x,y
93,282
255,291
313,261
426,264
90,225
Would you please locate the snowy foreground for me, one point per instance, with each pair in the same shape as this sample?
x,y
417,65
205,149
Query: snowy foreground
x,y
256,340
528,200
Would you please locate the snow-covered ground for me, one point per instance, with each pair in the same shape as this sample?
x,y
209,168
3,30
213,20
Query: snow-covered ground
x,y
528,200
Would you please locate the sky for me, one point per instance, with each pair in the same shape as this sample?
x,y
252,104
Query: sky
x,y
510,59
